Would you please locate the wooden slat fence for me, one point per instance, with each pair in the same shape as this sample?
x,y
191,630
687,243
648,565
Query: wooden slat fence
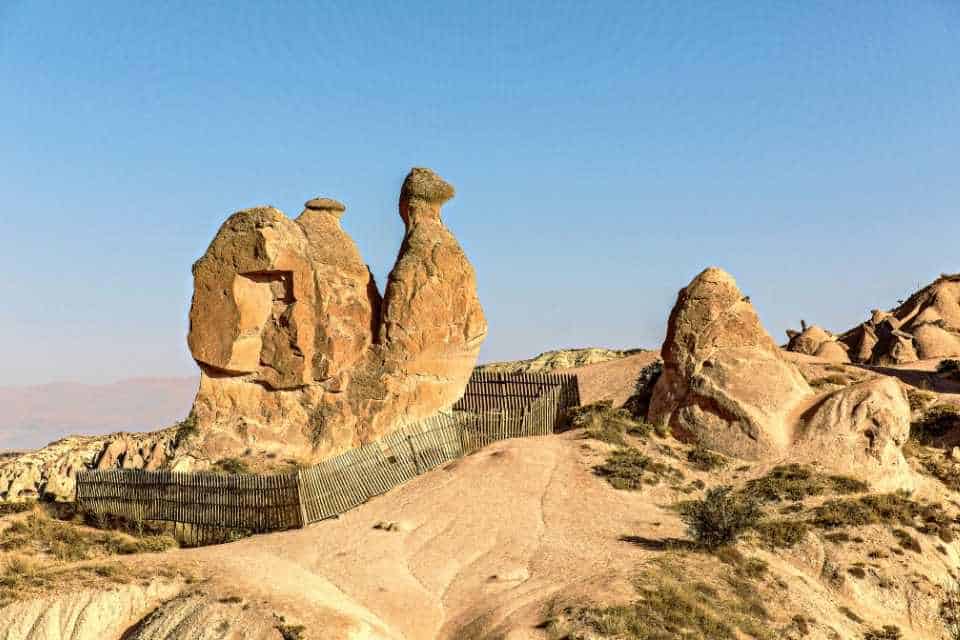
x,y
494,407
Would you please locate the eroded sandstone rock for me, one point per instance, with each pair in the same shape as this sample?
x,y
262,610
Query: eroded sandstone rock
x,y
298,353
862,427
726,385
926,326
817,341
724,380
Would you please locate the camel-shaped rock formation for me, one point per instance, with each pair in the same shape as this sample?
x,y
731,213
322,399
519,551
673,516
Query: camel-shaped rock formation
x,y
298,353
727,385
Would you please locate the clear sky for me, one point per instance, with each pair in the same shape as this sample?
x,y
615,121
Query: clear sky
x,y
603,154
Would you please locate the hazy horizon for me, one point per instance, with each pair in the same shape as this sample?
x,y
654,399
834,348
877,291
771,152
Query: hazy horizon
x,y
603,155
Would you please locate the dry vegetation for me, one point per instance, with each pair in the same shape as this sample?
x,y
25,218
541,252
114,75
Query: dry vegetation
x,y
40,553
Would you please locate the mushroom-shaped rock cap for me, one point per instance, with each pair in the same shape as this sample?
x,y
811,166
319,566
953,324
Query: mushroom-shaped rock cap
x,y
425,185
325,204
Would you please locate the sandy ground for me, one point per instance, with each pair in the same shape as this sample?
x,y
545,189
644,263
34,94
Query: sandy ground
x,y
480,547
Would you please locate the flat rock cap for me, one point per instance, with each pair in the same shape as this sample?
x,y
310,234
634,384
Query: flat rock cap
x,y
325,204
427,185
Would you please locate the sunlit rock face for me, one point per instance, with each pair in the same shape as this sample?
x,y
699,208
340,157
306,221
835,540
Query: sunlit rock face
x,y
299,354
925,326
726,385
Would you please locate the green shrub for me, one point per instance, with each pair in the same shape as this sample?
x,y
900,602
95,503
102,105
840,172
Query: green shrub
x,y
10,508
629,469
601,421
720,518
950,610
949,367
234,466
796,482
639,403
936,422
782,533
919,398
887,508
705,459
888,632
186,429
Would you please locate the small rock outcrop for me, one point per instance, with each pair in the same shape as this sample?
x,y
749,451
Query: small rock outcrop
x,y
727,385
298,352
926,326
817,341
863,426
51,472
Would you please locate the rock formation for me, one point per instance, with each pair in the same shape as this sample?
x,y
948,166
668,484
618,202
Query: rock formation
x,y
817,341
297,351
926,326
51,472
727,385
725,382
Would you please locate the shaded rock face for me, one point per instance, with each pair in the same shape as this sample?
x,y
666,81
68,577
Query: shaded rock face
x,y
727,385
925,326
297,351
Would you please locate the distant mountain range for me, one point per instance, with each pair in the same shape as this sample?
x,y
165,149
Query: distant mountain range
x,y
32,416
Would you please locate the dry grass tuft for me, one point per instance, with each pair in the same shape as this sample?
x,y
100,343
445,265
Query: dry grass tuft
x,y
627,468
795,482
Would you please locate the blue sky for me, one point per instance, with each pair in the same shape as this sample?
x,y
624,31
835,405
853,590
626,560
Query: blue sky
x,y
603,154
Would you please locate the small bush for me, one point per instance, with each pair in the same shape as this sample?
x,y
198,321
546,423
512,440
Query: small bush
x,y
950,610
601,421
629,469
234,466
888,508
639,403
291,631
888,632
935,422
705,459
795,482
949,367
720,518
857,572
186,429
10,508
919,398
782,533
906,541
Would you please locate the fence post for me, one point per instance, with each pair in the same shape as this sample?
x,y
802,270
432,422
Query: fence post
x,y
413,452
300,499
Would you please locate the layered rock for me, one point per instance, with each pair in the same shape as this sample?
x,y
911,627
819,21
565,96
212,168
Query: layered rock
x,y
727,385
926,326
299,354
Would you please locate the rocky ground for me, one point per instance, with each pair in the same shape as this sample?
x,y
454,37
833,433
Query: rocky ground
x,y
577,535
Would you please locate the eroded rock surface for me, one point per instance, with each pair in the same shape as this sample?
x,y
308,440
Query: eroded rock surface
x,y
725,382
298,353
926,326
727,385
817,341
51,472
